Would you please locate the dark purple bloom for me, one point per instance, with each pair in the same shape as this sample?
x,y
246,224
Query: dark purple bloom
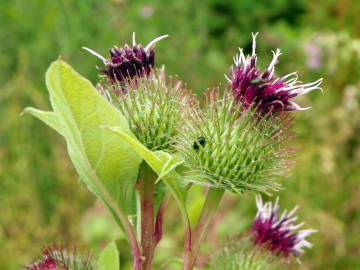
x,y
270,93
279,234
128,62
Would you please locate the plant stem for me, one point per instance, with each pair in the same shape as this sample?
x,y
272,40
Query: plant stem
x,y
123,222
159,223
146,190
191,249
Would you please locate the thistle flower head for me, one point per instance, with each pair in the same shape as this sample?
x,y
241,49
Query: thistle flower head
x,y
229,148
128,62
277,233
45,263
271,93
60,257
154,106
239,254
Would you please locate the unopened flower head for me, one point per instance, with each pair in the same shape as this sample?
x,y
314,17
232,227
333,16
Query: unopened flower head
x,y
270,92
60,257
278,233
229,148
128,62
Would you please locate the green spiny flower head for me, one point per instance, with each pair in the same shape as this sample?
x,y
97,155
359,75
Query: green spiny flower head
x,y
231,148
155,107
240,254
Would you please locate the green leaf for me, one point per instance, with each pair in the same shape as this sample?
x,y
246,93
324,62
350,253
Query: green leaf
x,y
157,161
109,258
107,166
48,118
172,162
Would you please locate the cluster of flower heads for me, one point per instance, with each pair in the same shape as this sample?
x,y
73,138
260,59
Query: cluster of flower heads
x,y
60,257
128,62
271,93
235,143
278,233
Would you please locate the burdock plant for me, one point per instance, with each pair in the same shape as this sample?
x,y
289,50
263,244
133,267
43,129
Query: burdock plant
x,y
140,134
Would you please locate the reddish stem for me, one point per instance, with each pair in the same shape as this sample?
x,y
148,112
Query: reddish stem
x,y
159,223
147,184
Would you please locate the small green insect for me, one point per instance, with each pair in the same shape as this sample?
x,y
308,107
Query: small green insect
x,y
199,142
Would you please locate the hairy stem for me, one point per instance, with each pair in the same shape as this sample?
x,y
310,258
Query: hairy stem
x,y
146,190
191,249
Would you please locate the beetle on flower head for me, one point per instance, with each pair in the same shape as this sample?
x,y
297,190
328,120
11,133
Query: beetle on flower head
x,y
270,93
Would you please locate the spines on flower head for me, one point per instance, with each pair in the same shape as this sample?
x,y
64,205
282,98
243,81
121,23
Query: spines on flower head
x,y
62,257
239,254
271,93
227,147
128,62
279,234
155,107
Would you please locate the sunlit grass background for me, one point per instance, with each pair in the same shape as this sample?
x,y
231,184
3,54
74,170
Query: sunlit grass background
x,y
40,198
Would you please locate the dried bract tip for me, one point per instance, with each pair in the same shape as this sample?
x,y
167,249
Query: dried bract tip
x,y
269,92
279,234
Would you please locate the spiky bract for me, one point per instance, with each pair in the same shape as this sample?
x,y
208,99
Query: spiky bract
x,y
155,107
227,147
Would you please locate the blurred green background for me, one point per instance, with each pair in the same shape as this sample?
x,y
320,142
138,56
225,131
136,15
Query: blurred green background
x,y
40,198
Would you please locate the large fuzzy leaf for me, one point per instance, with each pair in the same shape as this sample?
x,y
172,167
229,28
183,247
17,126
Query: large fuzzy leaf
x,y
106,165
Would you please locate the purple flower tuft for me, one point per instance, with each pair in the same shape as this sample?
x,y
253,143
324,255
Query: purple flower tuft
x,y
46,263
279,234
128,62
269,92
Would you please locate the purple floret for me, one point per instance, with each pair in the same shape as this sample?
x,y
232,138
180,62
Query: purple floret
x,y
264,89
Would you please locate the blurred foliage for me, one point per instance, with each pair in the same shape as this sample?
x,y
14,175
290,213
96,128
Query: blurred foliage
x,y
41,199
